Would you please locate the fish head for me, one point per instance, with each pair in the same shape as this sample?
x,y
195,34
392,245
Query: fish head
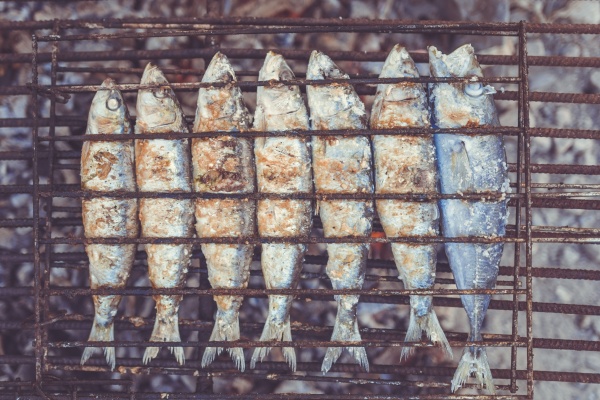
x,y
223,102
219,70
335,101
402,103
278,99
157,107
108,113
466,103
320,66
399,64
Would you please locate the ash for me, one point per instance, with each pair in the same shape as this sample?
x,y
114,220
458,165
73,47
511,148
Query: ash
x,y
16,241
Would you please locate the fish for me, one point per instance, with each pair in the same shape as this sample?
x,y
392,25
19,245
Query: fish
x,y
283,166
163,165
475,163
406,164
341,164
108,166
223,165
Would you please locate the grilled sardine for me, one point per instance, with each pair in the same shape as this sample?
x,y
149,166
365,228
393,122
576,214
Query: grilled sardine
x,y
163,165
406,164
341,165
106,167
224,164
283,166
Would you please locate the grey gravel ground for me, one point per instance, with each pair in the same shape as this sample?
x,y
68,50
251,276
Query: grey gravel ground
x,y
544,150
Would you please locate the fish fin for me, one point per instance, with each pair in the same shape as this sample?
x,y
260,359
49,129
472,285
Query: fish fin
x,y
227,327
275,331
431,326
345,330
462,167
166,329
474,360
101,333
288,352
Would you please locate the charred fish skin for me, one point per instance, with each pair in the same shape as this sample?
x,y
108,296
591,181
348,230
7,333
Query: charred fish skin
x,y
469,164
406,164
341,165
105,167
224,164
283,166
163,165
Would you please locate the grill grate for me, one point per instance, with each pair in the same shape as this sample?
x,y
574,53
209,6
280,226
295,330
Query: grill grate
x,y
55,356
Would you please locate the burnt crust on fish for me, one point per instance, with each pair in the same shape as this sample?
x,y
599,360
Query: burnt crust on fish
x,y
108,167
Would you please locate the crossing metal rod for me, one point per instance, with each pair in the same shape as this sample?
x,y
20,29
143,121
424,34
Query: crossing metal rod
x,y
516,288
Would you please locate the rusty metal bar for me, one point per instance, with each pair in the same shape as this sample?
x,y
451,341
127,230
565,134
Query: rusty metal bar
x,y
233,53
37,283
59,260
555,308
524,123
299,344
517,246
417,26
300,293
339,368
45,272
507,131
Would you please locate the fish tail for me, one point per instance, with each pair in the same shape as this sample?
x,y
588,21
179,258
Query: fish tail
x,y
276,329
429,324
474,360
227,328
345,330
166,328
102,331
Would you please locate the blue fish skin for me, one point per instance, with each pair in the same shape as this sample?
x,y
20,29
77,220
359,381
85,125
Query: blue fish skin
x,y
469,164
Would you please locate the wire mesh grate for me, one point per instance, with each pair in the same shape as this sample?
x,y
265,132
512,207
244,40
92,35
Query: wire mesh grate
x,y
56,205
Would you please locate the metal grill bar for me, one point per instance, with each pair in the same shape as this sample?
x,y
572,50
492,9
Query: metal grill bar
x,y
549,61
524,124
518,297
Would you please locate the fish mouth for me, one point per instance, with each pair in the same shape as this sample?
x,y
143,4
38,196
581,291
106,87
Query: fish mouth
x,y
399,64
153,75
219,70
275,68
462,62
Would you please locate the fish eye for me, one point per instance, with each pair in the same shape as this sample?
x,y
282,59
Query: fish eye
x,y
113,103
161,92
474,89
